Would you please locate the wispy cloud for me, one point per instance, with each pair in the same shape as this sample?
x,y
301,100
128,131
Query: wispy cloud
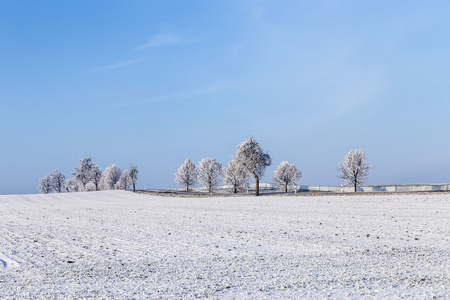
x,y
188,94
161,40
119,65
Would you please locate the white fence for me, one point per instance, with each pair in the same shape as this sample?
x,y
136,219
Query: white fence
x,y
269,188
379,188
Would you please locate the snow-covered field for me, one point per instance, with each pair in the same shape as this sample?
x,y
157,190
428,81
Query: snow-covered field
x,y
119,244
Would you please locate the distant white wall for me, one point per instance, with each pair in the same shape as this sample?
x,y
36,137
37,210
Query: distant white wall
x,y
269,187
377,188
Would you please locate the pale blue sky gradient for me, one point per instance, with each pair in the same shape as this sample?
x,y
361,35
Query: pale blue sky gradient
x,y
155,82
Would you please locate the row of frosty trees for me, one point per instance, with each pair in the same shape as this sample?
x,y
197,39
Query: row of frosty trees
x,y
88,177
251,161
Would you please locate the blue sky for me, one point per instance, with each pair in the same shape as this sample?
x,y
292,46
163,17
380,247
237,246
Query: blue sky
x,y
155,82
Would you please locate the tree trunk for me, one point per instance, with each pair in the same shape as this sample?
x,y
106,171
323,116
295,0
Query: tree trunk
x,y
355,187
187,187
286,188
257,187
134,187
210,185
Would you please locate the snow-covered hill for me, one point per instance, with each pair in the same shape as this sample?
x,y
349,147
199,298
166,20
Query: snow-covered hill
x,y
119,244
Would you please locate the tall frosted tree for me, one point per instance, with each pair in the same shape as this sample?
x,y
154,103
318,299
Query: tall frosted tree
x,y
124,181
58,181
235,176
210,173
132,174
354,169
45,184
285,176
96,176
110,177
186,175
253,160
83,173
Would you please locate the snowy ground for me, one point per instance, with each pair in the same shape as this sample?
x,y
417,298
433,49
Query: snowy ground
x,y
124,245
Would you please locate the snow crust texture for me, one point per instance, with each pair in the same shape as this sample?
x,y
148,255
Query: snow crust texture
x,y
116,244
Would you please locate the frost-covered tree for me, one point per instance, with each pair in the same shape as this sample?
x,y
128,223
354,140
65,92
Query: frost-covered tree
x,y
253,160
58,180
45,185
110,177
96,176
90,187
186,175
286,175
70,185
236,177
210,173
83,173
124,181
354,169
132,174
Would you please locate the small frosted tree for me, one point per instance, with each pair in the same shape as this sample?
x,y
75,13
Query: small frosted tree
x,y
58,181
70,186
45,184
235,176
132,174
253,160
186,175
210,173
90,187
110,177
354,169
286,175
